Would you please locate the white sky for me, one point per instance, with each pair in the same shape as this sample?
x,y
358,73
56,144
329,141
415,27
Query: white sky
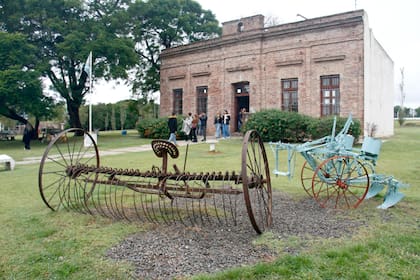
x,y
395,24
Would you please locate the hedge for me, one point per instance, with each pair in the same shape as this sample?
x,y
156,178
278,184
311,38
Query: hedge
x,y
158,128
322,127
275,125
272,124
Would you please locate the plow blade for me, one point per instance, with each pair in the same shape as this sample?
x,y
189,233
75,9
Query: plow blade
x,y
391,199
392,195
374,189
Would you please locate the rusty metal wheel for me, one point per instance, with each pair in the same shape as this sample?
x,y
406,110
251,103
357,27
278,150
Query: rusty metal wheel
x,y
306,178
307,172
340,182
256,181
58,184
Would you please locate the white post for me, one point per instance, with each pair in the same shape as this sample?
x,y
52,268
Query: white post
x,y
90,91
87,140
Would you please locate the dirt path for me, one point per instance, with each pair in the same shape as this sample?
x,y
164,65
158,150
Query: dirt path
x,y
102,153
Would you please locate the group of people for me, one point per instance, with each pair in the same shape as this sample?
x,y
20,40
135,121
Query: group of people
x,y
222,124
192,126
196,125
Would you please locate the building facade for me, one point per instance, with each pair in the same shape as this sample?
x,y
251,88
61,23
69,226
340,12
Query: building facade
x,y
323,66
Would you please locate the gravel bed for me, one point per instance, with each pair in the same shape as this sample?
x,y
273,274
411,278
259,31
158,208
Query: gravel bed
x,y
176,251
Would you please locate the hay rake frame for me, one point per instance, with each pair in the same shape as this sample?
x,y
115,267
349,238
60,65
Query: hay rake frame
x,y
71,177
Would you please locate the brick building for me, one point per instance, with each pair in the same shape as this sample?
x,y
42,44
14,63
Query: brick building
x,y
318,67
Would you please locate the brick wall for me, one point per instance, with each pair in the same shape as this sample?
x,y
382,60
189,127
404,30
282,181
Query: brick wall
x,y
305,50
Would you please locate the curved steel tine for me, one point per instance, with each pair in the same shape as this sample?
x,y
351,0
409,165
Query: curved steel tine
x,y
136,208
161,200
111,197
152,207
81,196
145,208
125,197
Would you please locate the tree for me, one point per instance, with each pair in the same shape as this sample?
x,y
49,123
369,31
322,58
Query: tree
x,y
123,114
20,84
65,31
160,24
113,118
417,111
122,34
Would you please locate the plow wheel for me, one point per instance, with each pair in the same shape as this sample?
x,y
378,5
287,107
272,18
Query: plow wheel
x,y
307,172
256,182
60,184
340,182
306,178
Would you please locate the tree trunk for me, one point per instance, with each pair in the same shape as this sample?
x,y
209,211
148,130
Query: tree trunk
x,y
74,117
35,134
113,120
73,95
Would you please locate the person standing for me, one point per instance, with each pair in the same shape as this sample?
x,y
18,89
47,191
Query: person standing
x,y
241,118
199,129
225,125
194,126
27,136
172,125
203,125
186,126
218,124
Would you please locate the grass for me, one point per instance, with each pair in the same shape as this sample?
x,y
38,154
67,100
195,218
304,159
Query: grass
x,y
36,243
106,140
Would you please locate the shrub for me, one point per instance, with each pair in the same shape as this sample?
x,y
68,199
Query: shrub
x,y
322,127
158,128
292,127
275,125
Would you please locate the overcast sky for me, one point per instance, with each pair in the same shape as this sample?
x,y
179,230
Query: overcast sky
x,y
395,24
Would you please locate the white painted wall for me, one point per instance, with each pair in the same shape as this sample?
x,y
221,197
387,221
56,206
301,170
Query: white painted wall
x,y
378,86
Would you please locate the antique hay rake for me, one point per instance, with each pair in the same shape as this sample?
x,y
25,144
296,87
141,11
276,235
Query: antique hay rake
x,y
71,177
336,174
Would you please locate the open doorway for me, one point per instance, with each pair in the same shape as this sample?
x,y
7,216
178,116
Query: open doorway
x,y
241,92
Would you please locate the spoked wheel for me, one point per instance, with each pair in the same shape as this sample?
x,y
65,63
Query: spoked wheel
x,y
306,178
307,171
340,182
59,184
256,181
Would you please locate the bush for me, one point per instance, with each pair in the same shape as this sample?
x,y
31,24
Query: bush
x,y
158,128
292,127
275,125
322,127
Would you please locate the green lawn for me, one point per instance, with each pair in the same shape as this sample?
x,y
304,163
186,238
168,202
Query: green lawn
x,y
106,140
36,243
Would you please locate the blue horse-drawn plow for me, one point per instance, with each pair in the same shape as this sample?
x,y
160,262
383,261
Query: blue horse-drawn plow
x,y
337,175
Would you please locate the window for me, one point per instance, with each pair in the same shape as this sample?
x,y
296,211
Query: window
x,y
177,105
241,88
289,95
330,95
202,99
